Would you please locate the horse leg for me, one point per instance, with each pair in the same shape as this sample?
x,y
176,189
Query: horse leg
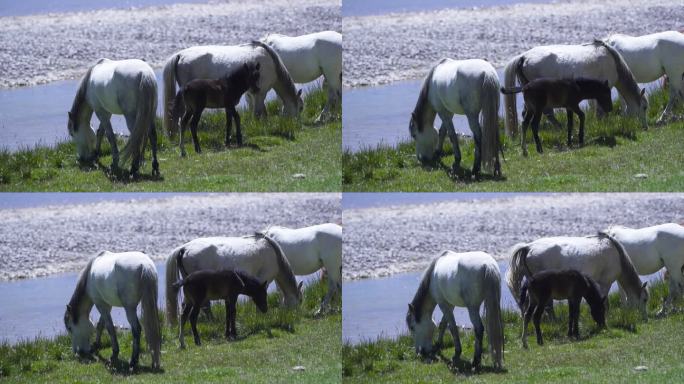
x,y
136,157
537,319
442,135
136,330
440,335
109,324
98,143
478,327
111,138
238,126
527,118
580,114
231,313
474,124
570,122
181,324
535,131
675,85
184,124
193,129
526,320
98,334
153,142
194,312
573,318
453,137
448,313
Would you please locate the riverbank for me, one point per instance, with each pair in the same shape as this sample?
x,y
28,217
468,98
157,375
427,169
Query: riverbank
x,y
46,240
43,48
297,339
618,156
279,154
385,241
380,49
628,351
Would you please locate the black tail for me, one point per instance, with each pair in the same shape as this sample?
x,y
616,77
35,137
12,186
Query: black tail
x,y
510,91
179,261
523,292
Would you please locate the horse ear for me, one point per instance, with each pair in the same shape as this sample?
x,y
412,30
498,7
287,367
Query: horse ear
x,y
299,93
299,287
643,90
643,286
68,307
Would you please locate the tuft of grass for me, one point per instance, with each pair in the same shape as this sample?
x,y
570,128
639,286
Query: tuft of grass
x,y
603,356
268,347
275,148
616,149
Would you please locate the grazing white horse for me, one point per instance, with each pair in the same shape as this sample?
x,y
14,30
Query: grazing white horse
x,y
128,88
115,280
649,57
308,57
216,61
463,87
458,280
257,255
600,257
652,248
311,248
597,61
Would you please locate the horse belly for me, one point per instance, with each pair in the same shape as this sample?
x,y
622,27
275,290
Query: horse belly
x,y
303,66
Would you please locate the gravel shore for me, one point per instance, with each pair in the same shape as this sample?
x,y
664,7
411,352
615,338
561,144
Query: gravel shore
x,y
385,48
384,241
47,240
43,48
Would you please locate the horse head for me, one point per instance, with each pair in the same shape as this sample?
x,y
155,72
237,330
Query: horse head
x,y
426,138
82,133
422,331
79,331
260,297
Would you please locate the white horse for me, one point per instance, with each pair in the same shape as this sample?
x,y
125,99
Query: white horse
x,y
309,249
600,257
308,57
597,61
115,280
652,248
461,280
216,61
128,88
649,57
257,255
463,87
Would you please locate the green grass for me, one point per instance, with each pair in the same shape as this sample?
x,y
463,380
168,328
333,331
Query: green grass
x,y
297,339
606,356
616,149
275,149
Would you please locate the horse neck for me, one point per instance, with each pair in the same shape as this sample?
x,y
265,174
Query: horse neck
x,y
286,91
286,281
629,277
85,113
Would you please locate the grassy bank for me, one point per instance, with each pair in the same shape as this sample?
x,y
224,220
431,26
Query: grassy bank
x,y
616,149
607,356
297,339
275,149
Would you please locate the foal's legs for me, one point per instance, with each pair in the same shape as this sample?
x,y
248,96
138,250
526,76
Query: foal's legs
x,y
238,126
535,131
193,128
187,306
531,306
105,314
551,117
184,124
448,313
570,122
229,124
231,313
194,312
153,142
574,309
136,330
478,327
453,137
580,114
527,117
537,319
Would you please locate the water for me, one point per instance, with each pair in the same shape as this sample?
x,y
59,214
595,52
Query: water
x,y
377,7
30,7
376,308
37,115
354,200
35,307
380,115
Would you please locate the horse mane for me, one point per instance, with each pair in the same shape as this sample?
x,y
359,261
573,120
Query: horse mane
x,y
424,288
423,95
624,73
280,69
80,290
283,264
81,92
632,276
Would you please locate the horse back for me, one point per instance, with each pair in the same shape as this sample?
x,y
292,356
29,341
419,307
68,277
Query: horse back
x,y
458,278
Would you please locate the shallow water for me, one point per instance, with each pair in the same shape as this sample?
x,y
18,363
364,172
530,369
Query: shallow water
x,y
38,199
380,115
32,7
35,307
378,7
354,200
376,308
37,115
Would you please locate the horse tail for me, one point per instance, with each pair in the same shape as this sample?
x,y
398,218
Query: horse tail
x,y
170,79
173,269
509,91
510,74
493,314
517,269
490,121
150,315
144,118
523,291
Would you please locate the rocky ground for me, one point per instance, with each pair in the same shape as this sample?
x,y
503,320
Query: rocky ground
x,y
388,240
385,48
46,240
42,48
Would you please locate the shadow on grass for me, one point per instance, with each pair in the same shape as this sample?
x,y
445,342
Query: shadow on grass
x,y
121,367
